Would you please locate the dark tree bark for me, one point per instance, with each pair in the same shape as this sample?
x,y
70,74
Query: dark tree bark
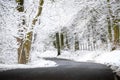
x,y
76,42
62,40
58,43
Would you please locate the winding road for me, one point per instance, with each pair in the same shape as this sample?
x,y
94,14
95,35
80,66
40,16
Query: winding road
x,y
66,70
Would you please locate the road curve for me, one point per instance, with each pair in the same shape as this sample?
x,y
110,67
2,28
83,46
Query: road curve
x,y
66,70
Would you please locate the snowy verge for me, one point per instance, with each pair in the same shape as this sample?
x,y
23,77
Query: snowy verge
x,y
111,59
33,64
48,53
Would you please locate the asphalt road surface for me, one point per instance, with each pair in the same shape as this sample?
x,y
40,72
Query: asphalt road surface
x,y
66,70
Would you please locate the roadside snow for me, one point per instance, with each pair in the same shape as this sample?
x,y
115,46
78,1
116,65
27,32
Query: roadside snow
x,y
104,57
111,59
48,53
33,64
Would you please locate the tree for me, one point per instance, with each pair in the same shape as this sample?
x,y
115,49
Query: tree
x,y
116,33
62,40
58,43
76,42
20,6
26,41
8,43
113,24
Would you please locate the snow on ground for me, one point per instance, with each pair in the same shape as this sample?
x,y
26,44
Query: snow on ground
x,y
48,53
111,59
34,64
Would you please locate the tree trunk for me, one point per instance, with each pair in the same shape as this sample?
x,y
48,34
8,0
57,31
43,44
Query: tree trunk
x,y
25,44
62,40
67,42
58,43
76,42
21,51
109,30
20,6
116,34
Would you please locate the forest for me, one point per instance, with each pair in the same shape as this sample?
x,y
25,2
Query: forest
x,y
80,30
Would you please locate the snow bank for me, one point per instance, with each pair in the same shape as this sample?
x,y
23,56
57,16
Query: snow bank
x,y
33,64
111,59
48,54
